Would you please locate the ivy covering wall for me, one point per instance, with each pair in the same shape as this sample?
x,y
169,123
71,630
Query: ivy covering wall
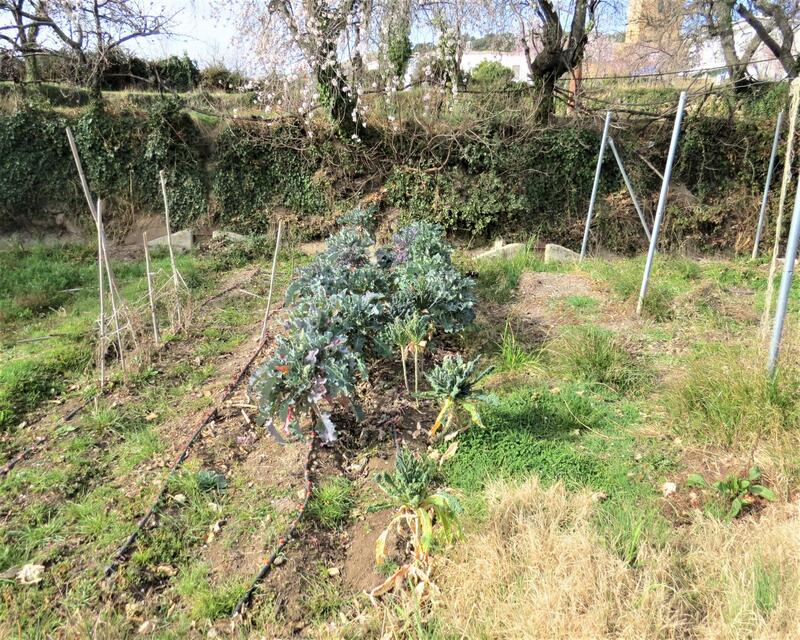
x,y
236,174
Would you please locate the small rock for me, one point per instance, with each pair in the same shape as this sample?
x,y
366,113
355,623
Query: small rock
x,y
333,571
502,251
557,253
668,488
599,496
228,236
166,570
279,561
148,626
30,574
179,498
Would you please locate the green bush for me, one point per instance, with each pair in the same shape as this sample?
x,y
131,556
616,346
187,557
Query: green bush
x,y
253,175
491,74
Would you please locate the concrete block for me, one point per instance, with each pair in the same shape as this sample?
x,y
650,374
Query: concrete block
x,y
182,241
557,253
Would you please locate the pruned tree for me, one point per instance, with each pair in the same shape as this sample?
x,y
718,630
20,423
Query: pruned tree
x,y
19,33
553,38
775,24
772,25
91,31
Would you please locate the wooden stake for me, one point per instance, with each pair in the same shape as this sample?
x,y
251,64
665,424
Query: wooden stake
x,y
102,323
150,295
271,279
114,309
175,275
766,319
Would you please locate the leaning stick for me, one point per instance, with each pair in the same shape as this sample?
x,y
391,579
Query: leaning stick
x,y
92,209
787,174
150,296
169,244
102,324
114,310
271,279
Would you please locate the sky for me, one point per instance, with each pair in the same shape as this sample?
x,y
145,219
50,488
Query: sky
x,y
206,38
196,32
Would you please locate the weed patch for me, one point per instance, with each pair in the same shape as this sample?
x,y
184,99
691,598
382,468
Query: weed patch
x,y
331,502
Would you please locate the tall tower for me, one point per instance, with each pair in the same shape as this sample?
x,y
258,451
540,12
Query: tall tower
x,y
652,21
633,30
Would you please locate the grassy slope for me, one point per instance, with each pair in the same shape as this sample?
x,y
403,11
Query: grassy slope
x,y
71,508
564,481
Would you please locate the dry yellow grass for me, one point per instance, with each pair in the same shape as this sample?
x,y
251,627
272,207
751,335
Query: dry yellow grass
x,y
538,569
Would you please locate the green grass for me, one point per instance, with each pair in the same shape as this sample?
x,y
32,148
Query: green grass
x,y
594,355
331,502
512,355
497,278
582,303
725,397
205,599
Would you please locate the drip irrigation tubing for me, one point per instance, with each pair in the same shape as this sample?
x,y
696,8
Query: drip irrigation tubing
x,y
29,451
121,553
245,600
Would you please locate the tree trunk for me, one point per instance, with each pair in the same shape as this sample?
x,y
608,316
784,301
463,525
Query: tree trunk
x,y
546,86
340,105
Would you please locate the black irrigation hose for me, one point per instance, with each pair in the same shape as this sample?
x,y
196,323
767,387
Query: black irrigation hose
x,y
245,600
26,453
121,553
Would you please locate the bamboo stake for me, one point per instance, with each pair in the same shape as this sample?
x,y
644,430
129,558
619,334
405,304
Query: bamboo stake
x,y
787,174
114,310
150,295
102,323
175,275
271,279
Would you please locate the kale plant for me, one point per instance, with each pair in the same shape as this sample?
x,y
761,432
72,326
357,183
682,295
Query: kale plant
x,y
312,363
420,240
360,218
451,384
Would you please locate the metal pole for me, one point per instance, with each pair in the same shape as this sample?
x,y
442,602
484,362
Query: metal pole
x,y
662,201
786,285
763,213
794,107
596,184
629,186
271,280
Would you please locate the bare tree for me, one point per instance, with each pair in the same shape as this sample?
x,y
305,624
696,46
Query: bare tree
x,y
553,38
91,30
19,33
775,24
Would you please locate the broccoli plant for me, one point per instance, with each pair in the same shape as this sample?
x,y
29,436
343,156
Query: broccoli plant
x,y
734,491
422,510
451,384
311,364
436,289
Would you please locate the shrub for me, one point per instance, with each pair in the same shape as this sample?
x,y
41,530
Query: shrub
x,y
491,74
